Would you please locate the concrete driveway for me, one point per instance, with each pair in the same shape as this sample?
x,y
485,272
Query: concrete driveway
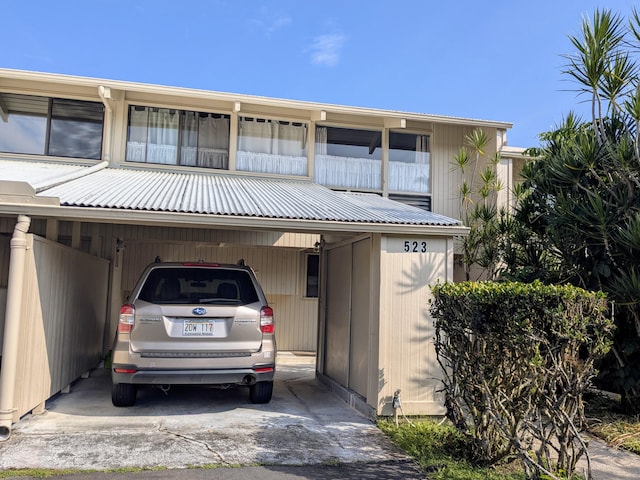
x,y
194,426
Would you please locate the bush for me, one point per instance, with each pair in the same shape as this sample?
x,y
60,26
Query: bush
x,y
517,359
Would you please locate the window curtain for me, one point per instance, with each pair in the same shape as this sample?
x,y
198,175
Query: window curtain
x,y
272,147
153,136
412,177
162,146
189,139
137,142
321,140
213,142
345,172
205,141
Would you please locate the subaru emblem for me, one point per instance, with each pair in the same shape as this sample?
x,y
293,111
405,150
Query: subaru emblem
x,y
199,311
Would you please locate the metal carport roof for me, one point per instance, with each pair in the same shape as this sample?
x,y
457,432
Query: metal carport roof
x,y
102,193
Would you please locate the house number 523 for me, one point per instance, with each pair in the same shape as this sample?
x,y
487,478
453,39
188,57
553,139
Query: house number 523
x,y
414,246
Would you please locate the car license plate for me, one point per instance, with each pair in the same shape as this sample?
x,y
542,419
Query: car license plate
x,y
200,328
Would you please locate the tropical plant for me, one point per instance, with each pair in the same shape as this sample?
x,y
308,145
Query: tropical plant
x,y
482,248
580,218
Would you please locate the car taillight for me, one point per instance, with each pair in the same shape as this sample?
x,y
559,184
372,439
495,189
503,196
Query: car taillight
x,y
125,370
127,319
266,320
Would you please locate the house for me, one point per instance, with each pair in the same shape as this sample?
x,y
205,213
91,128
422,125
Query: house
x,y
346,214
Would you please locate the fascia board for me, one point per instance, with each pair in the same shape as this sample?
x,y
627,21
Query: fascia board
x,y
243,98
192,220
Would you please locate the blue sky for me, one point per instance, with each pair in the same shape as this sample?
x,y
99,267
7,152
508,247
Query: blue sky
x,y
499,60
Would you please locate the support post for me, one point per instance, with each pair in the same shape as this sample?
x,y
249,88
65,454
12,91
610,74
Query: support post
x,y
12,325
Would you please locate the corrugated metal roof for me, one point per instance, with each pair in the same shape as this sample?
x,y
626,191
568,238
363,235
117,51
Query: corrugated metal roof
x,y
38,174
233,195
399,211
209,194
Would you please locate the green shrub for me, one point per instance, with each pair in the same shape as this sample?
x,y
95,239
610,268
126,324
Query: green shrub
x,y
517,359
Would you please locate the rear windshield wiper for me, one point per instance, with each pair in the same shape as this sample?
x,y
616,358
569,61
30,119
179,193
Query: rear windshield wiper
x,y
223,301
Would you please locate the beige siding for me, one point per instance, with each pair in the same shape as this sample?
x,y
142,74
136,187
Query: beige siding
x,y
360,317
62,320
446,143
338,316
350,316
407,355
206,236
280,269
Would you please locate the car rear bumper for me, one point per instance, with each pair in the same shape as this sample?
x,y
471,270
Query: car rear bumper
x,y
245,376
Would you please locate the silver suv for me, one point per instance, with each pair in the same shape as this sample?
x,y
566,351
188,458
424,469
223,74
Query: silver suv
x,y
194,323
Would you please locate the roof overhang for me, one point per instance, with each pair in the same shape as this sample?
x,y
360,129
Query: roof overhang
x,y
232,102
99,194
195,220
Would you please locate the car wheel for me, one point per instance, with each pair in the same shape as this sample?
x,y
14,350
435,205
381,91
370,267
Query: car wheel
x,y
123,394
261,392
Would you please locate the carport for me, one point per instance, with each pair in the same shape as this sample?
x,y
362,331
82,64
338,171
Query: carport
x,y
76,237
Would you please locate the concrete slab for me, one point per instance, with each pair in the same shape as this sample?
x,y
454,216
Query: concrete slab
x,y
190,426
304,425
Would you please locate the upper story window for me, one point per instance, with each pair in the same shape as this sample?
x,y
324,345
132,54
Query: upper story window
x,y
409,163
348,158
51,126
272,146
178,137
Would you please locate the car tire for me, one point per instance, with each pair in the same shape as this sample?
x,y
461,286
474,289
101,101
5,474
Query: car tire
x,y
261,392
123,394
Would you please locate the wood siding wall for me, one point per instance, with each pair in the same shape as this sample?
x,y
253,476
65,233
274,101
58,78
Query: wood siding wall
x,y
280,269
350,317
62,322
407,355
446,143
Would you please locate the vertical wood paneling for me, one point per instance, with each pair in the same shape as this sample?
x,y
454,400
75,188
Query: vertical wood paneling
x,y
407,356
205,236
63,319
447,141
360,317
337,327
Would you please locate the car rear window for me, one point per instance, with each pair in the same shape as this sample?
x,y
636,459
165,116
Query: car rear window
x,y
198,285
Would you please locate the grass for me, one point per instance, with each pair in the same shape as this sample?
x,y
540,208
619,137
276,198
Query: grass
x,y
441,451
51,473
606,421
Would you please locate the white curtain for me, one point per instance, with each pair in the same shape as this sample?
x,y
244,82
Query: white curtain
x,y
163,136
346,172
270,163
321,141
189,139
153,136
272,147
205,141
412,177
